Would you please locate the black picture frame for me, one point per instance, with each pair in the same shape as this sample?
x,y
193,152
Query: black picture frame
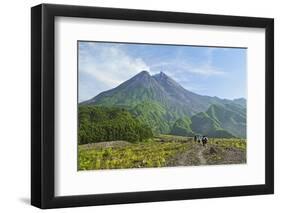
x,y
43,102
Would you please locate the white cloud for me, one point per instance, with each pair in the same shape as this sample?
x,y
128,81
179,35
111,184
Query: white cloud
x,y
205,69
108,64
183,65
177,67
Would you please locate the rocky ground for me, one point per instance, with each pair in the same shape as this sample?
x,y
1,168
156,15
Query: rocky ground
x,y
211,154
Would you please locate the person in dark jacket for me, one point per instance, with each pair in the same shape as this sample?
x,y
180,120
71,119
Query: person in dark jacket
x,y
204,140
195,138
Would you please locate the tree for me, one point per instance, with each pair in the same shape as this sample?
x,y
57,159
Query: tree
x,y
98,124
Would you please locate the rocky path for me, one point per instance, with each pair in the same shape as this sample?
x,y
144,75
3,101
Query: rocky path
x,y
209,155
192,157
201,156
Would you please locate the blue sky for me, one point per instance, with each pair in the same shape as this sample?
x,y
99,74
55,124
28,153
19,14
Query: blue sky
x,y
209,71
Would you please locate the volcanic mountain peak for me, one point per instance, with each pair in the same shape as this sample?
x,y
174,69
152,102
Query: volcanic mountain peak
x,y
143,73
161,77
141,76
165,80
143,86
158,88
160,101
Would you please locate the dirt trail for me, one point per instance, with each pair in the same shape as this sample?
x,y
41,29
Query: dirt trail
x,y
201,157
192,157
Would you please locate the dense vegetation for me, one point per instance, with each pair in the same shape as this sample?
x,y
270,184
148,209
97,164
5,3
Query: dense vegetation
x,y
182,127
150,121
154,115
221,121
231,118
202,123
98,124
166,107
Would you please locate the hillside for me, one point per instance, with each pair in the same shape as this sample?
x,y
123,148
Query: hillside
x,y
97,124
159,88
203,124
232,118
182,127
166,107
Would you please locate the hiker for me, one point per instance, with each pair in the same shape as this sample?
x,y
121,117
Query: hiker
x,y
198,138
204,140
195,138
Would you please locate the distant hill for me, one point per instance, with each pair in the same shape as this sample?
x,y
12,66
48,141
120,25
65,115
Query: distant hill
x,y
166,107
230,117
182,127
240,101
219,121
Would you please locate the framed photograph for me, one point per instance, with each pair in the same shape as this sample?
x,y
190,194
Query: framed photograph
x,y
139,106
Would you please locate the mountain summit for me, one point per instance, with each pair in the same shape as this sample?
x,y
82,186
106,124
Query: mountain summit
x,y
158,88
160,101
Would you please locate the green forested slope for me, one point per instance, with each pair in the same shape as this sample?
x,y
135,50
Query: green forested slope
x,y
162,105
98,124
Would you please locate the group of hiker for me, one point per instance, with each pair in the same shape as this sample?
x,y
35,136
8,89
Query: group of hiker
x,y
201,139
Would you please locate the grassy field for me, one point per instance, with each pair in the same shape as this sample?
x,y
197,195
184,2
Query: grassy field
x,y
162,151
